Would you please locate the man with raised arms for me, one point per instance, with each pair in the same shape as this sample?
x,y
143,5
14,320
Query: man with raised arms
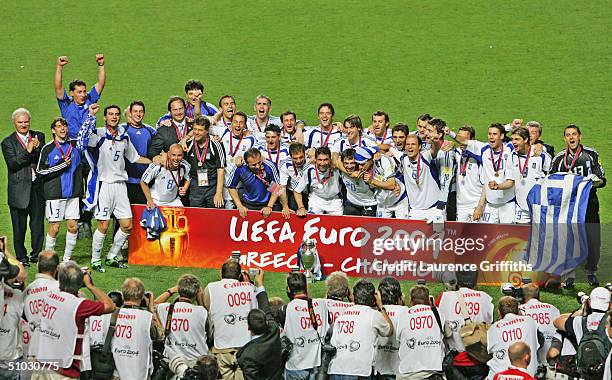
x,y
195,105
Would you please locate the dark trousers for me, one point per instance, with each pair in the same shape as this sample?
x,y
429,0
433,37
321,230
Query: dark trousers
x,y
451,206
19,219
351,209
135,194
593,231
86,216
259,206
202,196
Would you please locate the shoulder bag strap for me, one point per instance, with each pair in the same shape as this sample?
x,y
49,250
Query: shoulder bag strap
x,y
111,331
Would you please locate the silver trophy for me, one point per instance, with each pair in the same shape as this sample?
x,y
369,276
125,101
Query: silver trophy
x,y
309,258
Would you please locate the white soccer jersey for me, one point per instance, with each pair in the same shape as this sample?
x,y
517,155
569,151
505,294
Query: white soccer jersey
x,y
274,156
492,163
299,330
230,303
343,144
358,192
187,335
335,308
58,329
503,333
10,325
355,334
425,194
324,185
526,172
544,315
220,128
110,153
387,354
383,169
387,138
290,174
163,182
420,340
315,138
258,129
33,302
469,186
234,147
286,138
478,305
132,346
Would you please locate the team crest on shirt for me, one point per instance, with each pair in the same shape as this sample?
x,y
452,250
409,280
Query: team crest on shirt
x,y
354,346
411,343
299,341
230,319
500,355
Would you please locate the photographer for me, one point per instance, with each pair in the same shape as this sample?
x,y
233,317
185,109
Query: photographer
x,y
511,327
205,368
299,328
62,322
420,334
479,307
356,332
45,280
10,268
259,359
137,327
186,332
387,355
543,314
10,331
233,299
338,290
519,354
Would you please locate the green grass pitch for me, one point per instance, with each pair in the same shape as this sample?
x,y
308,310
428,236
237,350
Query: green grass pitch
x,y
468,62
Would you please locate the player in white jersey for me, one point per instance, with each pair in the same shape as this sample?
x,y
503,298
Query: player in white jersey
x,y
305,325
421,180
229,302
468,184
291,132
272,149
544,314
10,331
326,133
323,183
420,333
107,149
496,158
258,122
527,169
354,137
387,355
227,105
44,282
360,199
163,186
187,335
356,332
290,172
379,131
236,142
338,296
511,327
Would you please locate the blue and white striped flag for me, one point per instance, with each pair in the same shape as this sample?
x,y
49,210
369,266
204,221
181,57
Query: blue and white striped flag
x,y
558,240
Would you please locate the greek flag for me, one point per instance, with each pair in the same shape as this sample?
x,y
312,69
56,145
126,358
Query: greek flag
x,y
558,241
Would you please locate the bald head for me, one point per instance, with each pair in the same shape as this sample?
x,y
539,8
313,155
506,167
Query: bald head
x,y
519,354
48,261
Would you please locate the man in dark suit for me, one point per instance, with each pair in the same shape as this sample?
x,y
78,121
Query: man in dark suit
x,y
260,359
171,131
21,150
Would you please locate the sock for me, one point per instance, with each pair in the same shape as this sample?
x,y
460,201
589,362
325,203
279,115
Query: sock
x,y
96,246
49,243
71,240
120,238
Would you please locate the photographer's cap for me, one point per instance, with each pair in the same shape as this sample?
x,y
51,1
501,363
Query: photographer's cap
x,y
600,299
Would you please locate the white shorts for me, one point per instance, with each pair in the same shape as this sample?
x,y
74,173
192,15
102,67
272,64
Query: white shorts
x,y
466,214
399,211
113,199
57,210
503,213
175,203
522,216
318,205
433,214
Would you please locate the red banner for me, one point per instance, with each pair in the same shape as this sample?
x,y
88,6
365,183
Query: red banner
x,y
358,246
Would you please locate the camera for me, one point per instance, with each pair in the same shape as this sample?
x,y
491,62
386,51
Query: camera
x,y
117,297
235,255
178,365
145,299
608,286
161,369
328,353
582,297
513,291
253,272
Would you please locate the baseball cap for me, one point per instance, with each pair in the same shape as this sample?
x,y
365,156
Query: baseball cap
x,y
600,299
